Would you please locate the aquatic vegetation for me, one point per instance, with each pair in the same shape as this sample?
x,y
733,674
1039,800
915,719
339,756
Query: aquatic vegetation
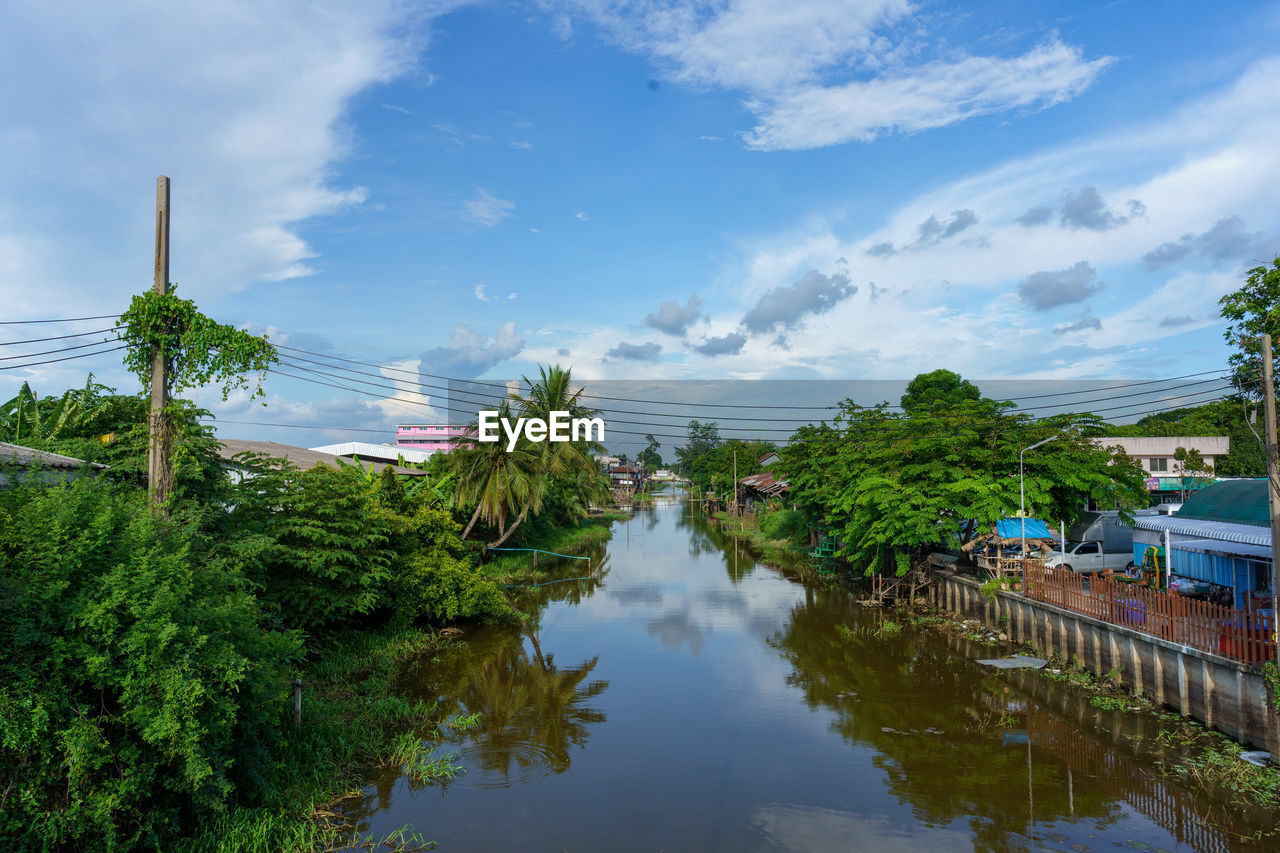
x,y
427,767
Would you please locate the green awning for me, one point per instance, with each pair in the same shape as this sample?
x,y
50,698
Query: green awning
x,y
1234,501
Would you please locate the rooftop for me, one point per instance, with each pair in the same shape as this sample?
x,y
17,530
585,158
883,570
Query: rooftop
x,y
1235,501
27,456
299,456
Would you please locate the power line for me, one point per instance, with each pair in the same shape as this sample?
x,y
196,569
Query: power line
x,y
469,397
218,420
55,360
753,430
503,386
54,351
63,320
59,337
878,428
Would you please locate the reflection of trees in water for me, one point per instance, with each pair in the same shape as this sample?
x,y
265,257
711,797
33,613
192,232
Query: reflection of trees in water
x,y
705,537
531,710
912,682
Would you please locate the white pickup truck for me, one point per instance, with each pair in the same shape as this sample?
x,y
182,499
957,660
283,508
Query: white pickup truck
x,y
1090,557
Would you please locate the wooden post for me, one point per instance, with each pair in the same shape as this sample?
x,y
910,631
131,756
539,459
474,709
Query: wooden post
x,y
1273,480
297,702
158,440
735,482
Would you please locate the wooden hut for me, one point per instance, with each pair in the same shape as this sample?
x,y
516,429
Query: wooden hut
x,y
990,549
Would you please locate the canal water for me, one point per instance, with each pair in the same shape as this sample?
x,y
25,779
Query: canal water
x,y
687,697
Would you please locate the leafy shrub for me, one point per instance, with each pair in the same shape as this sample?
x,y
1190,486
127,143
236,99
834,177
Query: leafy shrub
x,y
428,576
137,687
785,524
312,541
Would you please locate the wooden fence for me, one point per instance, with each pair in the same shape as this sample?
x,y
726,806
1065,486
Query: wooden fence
x,y
1237,634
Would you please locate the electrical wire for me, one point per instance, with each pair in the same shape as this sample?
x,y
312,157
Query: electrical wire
x,y
503,386
63,320
55,360
470,397
54,351
876,429
59,337
754,430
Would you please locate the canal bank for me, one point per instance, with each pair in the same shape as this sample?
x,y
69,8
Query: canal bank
x,y
687,697
1221,693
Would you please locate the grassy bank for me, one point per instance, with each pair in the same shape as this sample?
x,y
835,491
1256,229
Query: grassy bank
x,y
354,721
516,567
763,537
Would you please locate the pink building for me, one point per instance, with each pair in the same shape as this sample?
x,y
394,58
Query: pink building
x,y
427,436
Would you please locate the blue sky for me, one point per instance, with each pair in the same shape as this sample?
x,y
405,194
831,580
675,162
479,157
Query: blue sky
x,y
799,189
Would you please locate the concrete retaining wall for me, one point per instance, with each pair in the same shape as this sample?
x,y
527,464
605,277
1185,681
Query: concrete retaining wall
x,y
1219,692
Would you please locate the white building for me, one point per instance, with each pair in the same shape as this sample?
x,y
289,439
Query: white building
x,y
1155,455
369,452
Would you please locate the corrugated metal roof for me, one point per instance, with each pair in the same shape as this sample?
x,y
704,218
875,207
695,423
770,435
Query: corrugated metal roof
x,y
369,452
11,453
1237,501
1222,531
300,456
1217,546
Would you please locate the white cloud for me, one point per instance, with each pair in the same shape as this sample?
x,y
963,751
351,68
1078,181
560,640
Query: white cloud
x,y
240,103
825,72
581,216
479,290
921,98
1204,163
486,209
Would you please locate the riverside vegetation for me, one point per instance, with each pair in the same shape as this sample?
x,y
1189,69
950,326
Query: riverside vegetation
x,y
146,694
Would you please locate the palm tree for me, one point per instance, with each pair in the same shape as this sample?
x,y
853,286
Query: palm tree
x,y
495,479
553,392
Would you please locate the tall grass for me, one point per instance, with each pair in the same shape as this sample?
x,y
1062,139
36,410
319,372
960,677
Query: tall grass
x,y
354,721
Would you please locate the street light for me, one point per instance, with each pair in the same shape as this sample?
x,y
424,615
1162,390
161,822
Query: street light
x,y
1022,505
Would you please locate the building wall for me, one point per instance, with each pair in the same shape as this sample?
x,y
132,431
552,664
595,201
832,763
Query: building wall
x,y
428,436
1147,448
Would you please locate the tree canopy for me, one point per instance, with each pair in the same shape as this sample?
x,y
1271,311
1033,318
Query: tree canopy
x,y
893,485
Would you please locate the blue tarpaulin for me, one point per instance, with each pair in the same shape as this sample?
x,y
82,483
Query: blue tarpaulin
x,y
1011,528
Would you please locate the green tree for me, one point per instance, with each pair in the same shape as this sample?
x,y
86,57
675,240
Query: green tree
x,y
1253,310
1192,468
552,392
940,390
496,481
310,540
197,351
138,692
650,457
893,486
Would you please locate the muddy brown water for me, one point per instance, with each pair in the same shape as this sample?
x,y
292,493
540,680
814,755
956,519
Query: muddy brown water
x,y
687,697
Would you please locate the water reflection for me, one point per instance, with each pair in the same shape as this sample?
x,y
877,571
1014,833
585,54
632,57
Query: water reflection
x,y
745,711
957,741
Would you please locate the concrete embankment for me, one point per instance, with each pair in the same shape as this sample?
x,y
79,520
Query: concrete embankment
x,y
1221,693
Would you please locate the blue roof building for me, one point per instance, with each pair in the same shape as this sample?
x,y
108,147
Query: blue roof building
x,y
1222,535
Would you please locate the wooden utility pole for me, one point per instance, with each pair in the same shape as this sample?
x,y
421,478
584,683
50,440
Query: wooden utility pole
x,y
735,481
1273,489
1273,472
158,476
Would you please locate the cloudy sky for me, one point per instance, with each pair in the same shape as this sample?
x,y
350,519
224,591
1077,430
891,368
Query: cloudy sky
x,y
649,189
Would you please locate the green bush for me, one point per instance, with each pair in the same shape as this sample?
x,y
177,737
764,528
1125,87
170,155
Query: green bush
x,y
429,577
312,541
785,524
137,689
